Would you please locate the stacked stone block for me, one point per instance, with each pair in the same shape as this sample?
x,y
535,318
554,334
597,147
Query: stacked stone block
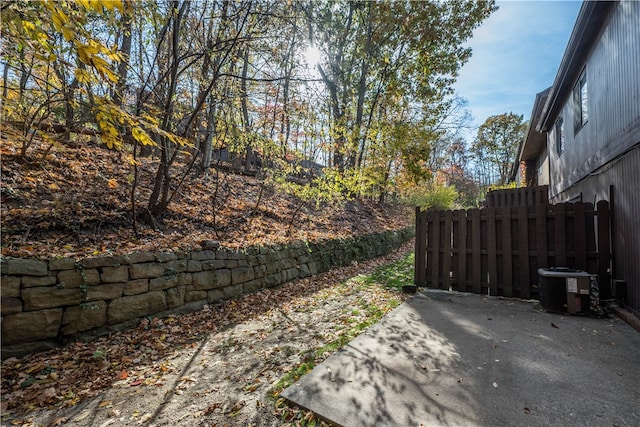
x,y
46,303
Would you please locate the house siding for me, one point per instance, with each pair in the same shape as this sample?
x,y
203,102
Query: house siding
x,y
612,71
543,168
624,179
601,161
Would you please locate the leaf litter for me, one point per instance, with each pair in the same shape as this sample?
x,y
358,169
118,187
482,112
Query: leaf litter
x,y
74,200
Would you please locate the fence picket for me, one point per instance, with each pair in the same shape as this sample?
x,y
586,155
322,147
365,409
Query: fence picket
x,y
435,250
580,235
492,254
541,247
560,235
507,258
476,251
446,252
518,197
460,248
524,285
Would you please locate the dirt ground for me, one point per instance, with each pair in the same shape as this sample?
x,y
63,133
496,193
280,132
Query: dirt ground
x,y
226,377
76,200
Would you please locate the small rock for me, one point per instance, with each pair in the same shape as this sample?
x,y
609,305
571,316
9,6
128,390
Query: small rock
x,y
210,244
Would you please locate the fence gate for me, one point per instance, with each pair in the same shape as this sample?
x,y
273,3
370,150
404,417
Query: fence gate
x,y
498,250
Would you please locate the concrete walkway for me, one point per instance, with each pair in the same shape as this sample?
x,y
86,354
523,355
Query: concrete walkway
x,y
450,359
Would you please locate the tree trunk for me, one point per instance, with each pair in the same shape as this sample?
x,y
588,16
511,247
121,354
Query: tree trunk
x,y
159,199
248,160
5,87
362,87
285,123
206,146
338,156
125,49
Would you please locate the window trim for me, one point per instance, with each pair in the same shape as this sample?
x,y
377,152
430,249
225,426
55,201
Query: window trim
x,y
560,135
580,102
540,167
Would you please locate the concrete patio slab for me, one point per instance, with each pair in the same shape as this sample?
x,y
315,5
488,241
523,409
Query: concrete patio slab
x,y
451,359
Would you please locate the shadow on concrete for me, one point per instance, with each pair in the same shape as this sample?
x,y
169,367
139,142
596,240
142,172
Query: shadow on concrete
x,y
451,359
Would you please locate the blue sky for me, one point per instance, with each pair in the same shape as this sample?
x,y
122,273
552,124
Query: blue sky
x,y
516,54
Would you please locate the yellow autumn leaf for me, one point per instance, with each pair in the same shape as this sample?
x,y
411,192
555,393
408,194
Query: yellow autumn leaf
x,y
83,76
87,50
111,4
114,56
112,142
113,183
67,34
53,186
43,40
28,25
82,54
102,67
60,19
141,136
151,119
105,403
111,75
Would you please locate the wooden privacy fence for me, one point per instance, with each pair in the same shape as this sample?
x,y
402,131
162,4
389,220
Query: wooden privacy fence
x,y
518,196
498,251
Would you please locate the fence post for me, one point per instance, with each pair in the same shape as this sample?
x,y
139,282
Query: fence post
x,y
604,250
420,268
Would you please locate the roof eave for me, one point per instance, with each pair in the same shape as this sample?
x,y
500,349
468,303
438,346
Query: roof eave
x,y
530,142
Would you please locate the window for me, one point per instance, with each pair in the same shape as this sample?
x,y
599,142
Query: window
x,y
580,103
540,166
560,135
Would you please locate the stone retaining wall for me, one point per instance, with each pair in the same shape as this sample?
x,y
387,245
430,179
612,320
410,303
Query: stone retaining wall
x,y
46,303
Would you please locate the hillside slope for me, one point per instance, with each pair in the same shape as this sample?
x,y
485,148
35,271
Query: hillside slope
x,y
74,199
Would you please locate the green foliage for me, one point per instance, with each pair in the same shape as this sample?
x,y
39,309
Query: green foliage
x,y
507,186
394,275
385,61
292,376
99,355
229,75
496,145
430,196
329,187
